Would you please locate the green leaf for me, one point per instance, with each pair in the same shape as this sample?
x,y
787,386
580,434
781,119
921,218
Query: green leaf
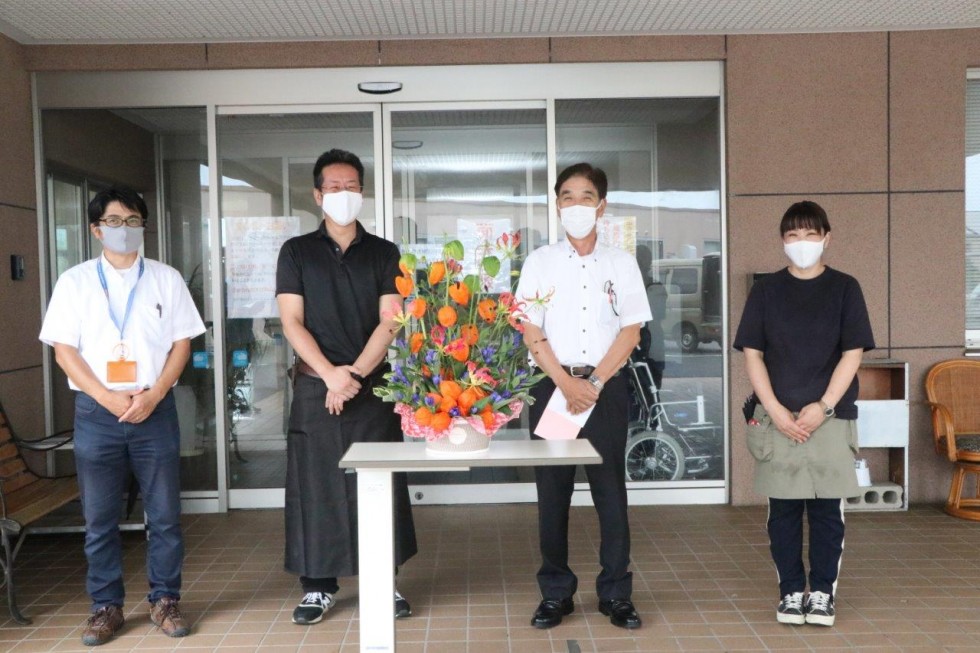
x,y
472,282
492,265
409,260
453,249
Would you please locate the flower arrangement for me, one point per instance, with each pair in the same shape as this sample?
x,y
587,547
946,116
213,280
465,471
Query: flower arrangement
x,y
460,353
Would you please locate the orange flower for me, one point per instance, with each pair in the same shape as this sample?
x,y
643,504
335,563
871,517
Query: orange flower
x,y
466,400
416,341
459,350
436,272
441,422
447,404
450,389
426,372
404,268
487,417
435,396
460,293
417,307
423,416
404,285
470,333
487,309
447,316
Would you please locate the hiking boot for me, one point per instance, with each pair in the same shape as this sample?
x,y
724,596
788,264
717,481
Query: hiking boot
x,y
165,614
402,608
790,609
310,610
820,609
102,625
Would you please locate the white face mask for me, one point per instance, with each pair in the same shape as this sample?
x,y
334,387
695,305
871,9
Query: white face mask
x,y
342,207
804,253
122,239
578,220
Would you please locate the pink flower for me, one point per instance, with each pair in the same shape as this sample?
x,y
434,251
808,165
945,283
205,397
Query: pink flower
x,y
480,376
438,335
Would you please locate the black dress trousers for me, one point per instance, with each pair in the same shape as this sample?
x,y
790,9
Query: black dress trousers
x,y
606,429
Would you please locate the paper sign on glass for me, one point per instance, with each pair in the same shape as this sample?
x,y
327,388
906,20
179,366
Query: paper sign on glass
x,y
557,423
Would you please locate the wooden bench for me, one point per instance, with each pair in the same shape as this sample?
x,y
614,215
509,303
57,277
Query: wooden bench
x,y
26,497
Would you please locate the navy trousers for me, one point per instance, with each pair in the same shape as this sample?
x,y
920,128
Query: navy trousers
x,y
105,453
785,526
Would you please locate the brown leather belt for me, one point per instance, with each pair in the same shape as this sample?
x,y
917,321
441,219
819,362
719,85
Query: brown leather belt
x,y
579,371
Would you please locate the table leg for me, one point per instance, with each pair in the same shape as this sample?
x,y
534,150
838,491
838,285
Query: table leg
x,y
376,558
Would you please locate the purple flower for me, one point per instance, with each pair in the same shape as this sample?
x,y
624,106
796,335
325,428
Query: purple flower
x,y
505,394
429,401
400,343
473,410
430,356
494,397
454,412
415,398
436,379
488,352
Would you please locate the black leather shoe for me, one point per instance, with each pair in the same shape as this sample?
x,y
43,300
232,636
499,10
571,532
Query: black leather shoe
x,y
621,613
550,612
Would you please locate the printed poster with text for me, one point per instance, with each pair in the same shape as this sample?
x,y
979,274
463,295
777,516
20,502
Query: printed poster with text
x,y
251,252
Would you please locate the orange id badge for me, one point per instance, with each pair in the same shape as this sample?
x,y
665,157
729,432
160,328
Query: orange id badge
x,y
121,371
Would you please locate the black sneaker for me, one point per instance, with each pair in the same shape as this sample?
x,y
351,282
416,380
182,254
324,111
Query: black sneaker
x,y
790,610
310,610
402,608
820,609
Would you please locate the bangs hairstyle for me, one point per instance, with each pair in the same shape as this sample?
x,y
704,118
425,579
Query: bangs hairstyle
x,y
128,197
804,215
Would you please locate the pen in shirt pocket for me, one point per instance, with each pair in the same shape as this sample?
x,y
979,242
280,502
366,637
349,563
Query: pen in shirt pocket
x,y
159,311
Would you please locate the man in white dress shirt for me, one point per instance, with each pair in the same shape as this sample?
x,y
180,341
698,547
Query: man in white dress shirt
x,y
580,338
121,327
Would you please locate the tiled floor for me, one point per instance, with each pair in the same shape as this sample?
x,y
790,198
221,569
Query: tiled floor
x,y
703,581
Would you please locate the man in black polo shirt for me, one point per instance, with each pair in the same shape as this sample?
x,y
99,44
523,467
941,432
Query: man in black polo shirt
x,y
335,287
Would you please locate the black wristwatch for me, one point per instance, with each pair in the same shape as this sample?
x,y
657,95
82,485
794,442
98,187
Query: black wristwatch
x,y
828,411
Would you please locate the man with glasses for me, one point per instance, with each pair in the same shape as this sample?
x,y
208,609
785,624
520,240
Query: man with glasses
x,y
121,327
580,338
337,298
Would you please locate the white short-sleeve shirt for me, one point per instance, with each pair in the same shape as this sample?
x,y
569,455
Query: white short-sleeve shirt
x,y
592,298
163,313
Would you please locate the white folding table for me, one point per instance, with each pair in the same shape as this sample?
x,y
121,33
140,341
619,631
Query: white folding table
x,y
375,462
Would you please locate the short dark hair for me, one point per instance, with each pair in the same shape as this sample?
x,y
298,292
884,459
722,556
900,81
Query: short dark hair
x,y
595,175
804,215
337,156
122,194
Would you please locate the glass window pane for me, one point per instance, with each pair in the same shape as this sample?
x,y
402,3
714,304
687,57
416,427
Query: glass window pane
x,y
662,158
973,211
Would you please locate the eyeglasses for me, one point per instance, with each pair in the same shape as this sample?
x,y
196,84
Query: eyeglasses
x,y
353,187
608,289
117,221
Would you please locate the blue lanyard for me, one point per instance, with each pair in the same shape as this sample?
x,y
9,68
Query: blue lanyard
x,y
129,302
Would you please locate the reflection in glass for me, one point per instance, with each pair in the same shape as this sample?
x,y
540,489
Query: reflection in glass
x,y
662,158
267,197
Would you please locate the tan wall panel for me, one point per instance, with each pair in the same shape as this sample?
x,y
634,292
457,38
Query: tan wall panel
x,y
858,225
21,321
155,56
929,473
807,113
927,270
928,90
16,125
637,48
98,144
463,51
22,394
304,54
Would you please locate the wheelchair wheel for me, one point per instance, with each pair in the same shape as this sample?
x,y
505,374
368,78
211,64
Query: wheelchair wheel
x,y
653,456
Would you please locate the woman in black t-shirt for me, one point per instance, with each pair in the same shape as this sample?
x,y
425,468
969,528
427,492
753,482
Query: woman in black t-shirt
x,y
803,331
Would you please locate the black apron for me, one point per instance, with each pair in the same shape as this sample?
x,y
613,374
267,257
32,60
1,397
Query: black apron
x,y
321,498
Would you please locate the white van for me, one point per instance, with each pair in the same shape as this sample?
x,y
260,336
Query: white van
x,y
693,312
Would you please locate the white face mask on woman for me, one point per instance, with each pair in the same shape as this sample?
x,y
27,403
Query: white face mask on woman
x,y
578,220
342,207
805,253
122,239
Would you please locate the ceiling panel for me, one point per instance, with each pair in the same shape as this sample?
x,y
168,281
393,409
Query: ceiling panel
x,y
158,21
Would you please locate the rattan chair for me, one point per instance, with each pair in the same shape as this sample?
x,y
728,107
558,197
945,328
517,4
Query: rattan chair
x,y
953,391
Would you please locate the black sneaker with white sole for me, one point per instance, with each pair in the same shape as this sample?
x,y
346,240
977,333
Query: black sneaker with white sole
x,y
820,609
790,610
402,608
310,610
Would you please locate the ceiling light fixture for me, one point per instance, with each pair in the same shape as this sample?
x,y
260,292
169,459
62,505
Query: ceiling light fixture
x,y
379,88
406,145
